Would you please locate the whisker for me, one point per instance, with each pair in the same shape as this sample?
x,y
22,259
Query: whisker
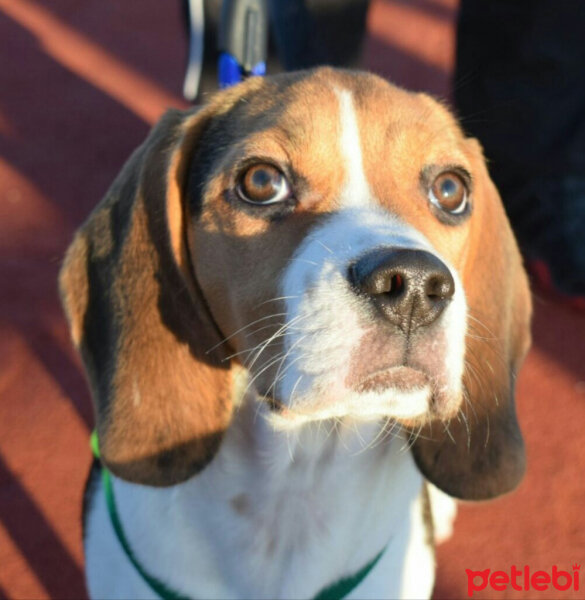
x,y
466,428
448,432
265,367
274,336
395,429
487,435
279,377
309,262
479,322
469,402
277,299
254,348
372,443
358,434
324,246
410,442
229,337
294,389
257,346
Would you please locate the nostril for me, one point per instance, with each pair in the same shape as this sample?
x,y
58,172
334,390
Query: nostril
x,y
383,283
396,286
440,286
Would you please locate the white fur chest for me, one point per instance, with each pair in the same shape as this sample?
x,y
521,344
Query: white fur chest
x,y
275,515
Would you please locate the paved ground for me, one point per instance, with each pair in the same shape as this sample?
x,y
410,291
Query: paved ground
x,y
80,84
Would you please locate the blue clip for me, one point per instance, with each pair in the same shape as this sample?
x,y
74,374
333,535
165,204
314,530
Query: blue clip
x,y
230,72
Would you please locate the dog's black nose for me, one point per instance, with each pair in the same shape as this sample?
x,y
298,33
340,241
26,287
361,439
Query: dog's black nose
x,y
410,287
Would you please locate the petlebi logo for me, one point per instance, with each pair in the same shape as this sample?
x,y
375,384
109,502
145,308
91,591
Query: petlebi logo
x,y
523,579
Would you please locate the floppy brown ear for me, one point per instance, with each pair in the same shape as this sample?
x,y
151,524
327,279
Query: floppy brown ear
x,y
140,321
480,454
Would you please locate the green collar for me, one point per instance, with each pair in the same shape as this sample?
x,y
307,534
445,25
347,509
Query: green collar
x,y
336,591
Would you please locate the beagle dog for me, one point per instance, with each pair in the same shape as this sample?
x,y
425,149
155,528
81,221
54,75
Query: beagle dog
x,y
297,307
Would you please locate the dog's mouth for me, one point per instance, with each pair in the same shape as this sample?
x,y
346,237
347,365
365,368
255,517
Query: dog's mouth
x,y
399,379
396,393
403,394
402,379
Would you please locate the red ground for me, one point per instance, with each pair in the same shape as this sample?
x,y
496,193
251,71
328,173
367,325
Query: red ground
x,y
80,84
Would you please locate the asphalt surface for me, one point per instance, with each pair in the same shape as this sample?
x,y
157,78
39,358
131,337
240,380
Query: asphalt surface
x,y
80,85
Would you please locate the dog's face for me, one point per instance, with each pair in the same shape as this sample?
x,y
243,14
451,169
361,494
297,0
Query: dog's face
x,y
333,240
344,240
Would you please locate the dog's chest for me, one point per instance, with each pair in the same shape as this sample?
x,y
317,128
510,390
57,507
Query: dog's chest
x,y
280,518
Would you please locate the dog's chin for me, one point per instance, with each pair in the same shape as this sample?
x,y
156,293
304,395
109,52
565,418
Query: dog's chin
x,y
393,379
400,394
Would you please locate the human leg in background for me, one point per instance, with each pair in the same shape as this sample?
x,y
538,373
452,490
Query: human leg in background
x,y
318,32
520,88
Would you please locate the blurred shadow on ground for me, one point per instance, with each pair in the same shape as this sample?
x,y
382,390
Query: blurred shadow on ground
x,y
37,540
560,333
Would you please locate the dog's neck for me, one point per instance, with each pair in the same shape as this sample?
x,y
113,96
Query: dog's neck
x,y
282,513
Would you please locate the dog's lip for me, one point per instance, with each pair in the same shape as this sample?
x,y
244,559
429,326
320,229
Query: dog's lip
x,y
401,378
393,379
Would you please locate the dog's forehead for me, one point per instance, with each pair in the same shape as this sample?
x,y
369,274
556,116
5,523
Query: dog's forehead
x,y
300,118
301,109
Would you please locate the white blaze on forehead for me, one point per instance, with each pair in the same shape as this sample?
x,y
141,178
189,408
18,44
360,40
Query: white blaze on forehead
x,y
356,191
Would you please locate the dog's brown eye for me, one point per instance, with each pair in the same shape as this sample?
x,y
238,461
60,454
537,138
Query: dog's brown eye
x,y
449,193
263,184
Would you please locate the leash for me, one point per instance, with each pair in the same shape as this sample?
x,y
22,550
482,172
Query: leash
x,y
336,591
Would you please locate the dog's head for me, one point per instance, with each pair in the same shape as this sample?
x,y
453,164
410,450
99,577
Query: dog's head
x,y
338,237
